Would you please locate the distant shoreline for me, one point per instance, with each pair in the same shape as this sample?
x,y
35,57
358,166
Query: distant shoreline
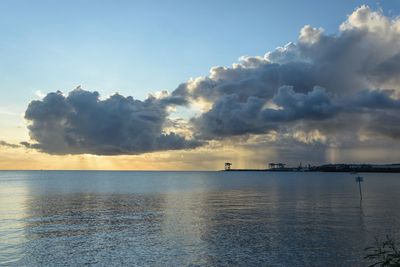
x,y
352,168
268,170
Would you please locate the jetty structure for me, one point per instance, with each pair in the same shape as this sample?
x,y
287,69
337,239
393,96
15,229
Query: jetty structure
x,y
228,166
352,168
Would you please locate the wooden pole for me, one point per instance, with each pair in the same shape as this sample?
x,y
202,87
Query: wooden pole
x,y
359,179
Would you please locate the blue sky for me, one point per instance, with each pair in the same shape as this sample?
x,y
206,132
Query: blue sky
x,y
137,47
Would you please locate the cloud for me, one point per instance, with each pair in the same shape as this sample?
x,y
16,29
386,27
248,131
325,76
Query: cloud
x,y
82,123
6,144
231,116
313,105
338,85
376,99
330,90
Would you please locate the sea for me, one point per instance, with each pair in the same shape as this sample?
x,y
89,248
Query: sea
x,y
134,218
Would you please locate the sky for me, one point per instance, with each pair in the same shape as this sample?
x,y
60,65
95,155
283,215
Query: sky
x,y
220,87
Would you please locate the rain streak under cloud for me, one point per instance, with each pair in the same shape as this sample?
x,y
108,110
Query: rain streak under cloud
x,y
322,91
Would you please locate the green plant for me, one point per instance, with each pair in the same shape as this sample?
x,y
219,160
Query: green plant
x,y
384,253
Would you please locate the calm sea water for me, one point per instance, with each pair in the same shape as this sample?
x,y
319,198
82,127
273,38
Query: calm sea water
x,y
193,218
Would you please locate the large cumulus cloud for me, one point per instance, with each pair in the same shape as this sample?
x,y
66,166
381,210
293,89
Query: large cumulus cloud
x,y
341,85
82,123
324,89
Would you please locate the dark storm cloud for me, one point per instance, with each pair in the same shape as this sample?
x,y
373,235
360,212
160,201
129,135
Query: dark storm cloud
x,y
230,116
376,99
385,124
389,69
82,123
313,105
